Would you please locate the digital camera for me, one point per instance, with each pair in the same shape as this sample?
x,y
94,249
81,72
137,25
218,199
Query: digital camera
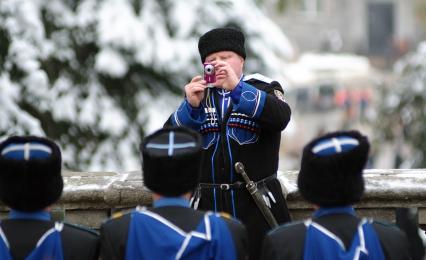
x,y
209,73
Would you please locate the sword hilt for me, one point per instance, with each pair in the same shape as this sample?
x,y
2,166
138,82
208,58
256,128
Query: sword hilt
x,y
257,196
239,167
250,185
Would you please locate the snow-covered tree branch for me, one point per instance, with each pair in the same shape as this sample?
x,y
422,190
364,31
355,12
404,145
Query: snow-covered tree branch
x,y
96,75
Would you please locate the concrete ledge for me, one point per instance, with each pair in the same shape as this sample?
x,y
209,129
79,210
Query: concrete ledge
x,y
91,197
386,190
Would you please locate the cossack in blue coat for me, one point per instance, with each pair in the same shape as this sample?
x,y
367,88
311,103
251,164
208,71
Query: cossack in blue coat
x,y
243,125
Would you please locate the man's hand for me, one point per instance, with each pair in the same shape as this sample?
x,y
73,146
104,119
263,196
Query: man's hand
x,y
194,91
225,76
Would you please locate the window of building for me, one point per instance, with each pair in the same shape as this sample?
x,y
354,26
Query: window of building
x,y
310,6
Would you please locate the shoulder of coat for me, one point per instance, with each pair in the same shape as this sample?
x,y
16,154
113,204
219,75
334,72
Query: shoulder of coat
x,y
258,77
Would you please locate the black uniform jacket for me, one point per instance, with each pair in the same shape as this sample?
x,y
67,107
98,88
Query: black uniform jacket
x,y
23,235
287,242
234,136
114,232
251,139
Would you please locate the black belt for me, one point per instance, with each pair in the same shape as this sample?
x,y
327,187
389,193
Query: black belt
x,y
235,185
222,186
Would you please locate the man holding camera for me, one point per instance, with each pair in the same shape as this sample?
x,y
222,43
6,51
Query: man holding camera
x,y
240,118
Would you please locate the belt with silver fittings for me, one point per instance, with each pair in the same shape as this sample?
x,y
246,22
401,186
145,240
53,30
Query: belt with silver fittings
x,y
222,186
235,185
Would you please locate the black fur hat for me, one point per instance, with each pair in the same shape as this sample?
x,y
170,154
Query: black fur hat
x,y
221,39
332,167
171,161
30,173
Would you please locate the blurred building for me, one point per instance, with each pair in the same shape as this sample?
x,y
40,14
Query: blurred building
x,y
368,27
345,52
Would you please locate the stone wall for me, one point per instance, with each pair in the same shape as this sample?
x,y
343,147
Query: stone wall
x,y
91,197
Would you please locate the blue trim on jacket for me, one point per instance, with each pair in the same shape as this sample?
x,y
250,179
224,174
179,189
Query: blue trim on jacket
x,y
251,101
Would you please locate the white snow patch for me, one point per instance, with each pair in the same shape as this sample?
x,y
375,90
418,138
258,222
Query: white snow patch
x,y
111,62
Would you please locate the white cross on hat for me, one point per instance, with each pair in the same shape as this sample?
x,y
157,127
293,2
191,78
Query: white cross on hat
x,y
335,145
26,151
171,145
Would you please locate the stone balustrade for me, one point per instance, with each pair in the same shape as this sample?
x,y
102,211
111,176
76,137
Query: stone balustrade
x,y
91,197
